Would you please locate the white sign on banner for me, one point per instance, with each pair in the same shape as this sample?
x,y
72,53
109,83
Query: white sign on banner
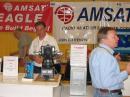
x,y
78,22
78,55
10,66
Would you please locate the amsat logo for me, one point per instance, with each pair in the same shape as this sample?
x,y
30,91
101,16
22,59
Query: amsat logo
x,y
65,13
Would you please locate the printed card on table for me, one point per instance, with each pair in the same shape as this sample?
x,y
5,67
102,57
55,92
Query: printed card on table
x,y
10,66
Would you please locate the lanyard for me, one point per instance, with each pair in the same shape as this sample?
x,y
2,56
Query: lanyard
x,y
106,50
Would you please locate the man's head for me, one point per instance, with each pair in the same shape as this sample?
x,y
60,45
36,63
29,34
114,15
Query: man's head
x,y
108,36
17,33
40,29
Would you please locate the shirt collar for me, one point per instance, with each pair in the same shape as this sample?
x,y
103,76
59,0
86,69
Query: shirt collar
x,y
45,38
107,48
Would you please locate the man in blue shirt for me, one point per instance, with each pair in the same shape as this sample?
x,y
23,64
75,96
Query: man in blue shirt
x,y
104,68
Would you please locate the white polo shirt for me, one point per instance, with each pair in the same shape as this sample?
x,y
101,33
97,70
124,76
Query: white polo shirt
x,y
35,47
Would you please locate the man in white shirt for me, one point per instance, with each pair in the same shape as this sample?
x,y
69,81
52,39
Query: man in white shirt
x,y
42,39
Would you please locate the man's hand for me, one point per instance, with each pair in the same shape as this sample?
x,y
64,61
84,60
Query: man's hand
x,y
22,62
38,59
118,56
128,68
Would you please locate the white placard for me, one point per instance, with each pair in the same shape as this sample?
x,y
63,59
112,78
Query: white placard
x,y
78,55
10,66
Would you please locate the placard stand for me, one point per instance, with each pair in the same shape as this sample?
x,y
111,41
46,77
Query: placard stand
x,y
10,66
78,74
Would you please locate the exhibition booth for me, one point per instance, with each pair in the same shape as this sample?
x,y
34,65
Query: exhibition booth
x,y
74,25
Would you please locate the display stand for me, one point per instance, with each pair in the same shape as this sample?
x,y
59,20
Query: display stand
x,y
78,74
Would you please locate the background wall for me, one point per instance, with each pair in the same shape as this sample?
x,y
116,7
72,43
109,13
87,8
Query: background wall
x,y
8,43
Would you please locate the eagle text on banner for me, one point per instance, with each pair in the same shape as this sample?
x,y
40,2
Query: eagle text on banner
x,y
24,15
78,22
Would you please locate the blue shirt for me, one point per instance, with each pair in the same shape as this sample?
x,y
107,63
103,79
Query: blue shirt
x,y
104,69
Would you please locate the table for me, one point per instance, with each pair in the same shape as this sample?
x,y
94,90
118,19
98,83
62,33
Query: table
x,y
15,87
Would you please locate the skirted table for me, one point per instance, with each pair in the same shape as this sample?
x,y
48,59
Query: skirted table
x,y
15,87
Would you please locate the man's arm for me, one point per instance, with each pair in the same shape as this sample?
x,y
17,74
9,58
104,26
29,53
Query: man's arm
x,y
25,51
38,59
